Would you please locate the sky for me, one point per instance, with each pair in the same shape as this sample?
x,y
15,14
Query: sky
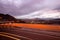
x,y
31,8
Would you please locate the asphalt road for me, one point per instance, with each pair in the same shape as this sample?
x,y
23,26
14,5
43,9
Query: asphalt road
x,y
27,34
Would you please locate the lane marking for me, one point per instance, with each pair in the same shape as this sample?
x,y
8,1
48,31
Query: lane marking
x,y
44,32
9,37
14,35
44,35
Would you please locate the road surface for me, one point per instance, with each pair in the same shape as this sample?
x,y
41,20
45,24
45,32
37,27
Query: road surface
x,y
21,33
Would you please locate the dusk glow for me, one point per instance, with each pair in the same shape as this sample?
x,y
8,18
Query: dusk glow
x,y
44,14
18,8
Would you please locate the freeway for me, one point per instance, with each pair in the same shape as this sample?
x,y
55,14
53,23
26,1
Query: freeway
x,y
29,33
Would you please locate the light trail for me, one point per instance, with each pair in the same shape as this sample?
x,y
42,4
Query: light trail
x,y
35,26
13,35
9,37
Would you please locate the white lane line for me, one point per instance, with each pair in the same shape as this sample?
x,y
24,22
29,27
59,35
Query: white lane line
x,y
9,37
15,35
43,34
46,32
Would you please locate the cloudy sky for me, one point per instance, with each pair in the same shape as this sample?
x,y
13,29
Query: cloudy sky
x,y
31,8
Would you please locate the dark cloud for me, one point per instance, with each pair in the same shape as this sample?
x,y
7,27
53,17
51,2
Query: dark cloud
x,y
15,8
23,7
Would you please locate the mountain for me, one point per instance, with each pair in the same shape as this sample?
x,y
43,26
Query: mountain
x,y
6,17
41,21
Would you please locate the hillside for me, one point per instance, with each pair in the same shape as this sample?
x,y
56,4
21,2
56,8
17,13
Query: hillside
x,y
6,17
